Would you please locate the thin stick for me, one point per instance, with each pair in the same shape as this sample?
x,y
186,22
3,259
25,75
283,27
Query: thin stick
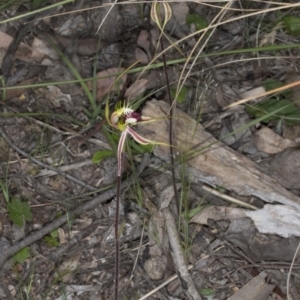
x,y
277,90
290,272
117,242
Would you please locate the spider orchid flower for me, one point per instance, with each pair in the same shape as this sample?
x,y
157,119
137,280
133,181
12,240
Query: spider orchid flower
x,y
123,119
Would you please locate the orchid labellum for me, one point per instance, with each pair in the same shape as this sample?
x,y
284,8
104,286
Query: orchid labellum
x,y
123,119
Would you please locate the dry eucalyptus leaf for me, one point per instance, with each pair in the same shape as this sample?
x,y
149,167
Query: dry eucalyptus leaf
x,y
24,52
64,271
291,132
10,94
253,92
144,43
141,56
284,168
266,140
106,81
180,11
136,89
167,195
45,48
257,289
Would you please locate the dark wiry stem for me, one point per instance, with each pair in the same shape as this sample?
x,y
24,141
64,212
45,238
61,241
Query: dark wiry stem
x,y
117,242
171,124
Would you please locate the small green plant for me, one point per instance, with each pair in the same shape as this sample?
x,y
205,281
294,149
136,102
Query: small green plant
x,y
19,211
52,239
101,155
289,113
292,25
181,97
21,256
199,22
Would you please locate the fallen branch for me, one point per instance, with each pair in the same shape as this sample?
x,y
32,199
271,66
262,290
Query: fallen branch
x,y
213,162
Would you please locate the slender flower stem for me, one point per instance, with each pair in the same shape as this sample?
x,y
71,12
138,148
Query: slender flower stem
x,y
117,241
171,125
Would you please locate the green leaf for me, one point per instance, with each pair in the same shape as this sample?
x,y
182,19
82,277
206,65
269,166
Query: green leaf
x,y
290,113
147,148
200,22
88,113
51,241
292,25
54,233
195,211
181,98
271,84
206,292
100,155
18,211
36,3
21,256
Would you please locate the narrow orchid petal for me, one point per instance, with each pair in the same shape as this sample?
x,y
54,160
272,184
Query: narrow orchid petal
x,y
120,150
139,139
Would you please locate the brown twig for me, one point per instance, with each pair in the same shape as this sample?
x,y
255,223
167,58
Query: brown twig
x,y
117,241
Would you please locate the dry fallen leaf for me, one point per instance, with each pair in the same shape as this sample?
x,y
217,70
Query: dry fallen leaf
x,y
43,47
180,11
257,288
24,52
266,140
144,43
10,94
106,81
136,89
141,56
253,92
284,168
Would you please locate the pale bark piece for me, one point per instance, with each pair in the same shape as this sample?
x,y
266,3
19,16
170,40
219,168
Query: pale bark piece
x,y
271,219
257,289
276,219
215,164
178,256
266,140
218,213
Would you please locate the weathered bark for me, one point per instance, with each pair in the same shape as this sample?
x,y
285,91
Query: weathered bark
x,y
215,163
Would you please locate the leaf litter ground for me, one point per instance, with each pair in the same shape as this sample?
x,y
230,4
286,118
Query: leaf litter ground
x,y
64,251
